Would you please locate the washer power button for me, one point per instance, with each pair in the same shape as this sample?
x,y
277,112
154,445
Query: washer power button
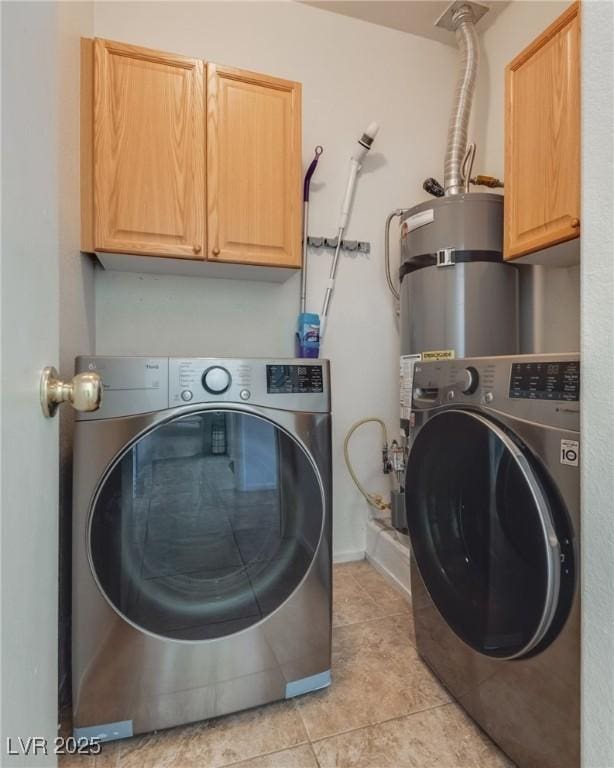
x,y
245,394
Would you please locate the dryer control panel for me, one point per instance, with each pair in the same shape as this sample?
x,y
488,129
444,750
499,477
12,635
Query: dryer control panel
x,y
289,385
136,385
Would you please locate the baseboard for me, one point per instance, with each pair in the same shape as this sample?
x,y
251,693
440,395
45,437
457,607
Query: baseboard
x,y
348,556
388,552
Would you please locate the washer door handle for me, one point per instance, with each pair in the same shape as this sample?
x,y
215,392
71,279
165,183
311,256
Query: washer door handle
x,y
83,391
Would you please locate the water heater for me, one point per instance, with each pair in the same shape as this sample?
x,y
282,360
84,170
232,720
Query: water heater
x,y
458,297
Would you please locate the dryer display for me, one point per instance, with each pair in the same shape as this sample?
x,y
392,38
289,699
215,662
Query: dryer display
x,y
296,379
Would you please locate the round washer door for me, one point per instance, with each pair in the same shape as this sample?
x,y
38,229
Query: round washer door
x,y
205,525
483,534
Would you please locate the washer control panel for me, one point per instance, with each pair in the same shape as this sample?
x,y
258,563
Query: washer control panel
x,y
540,388
551,380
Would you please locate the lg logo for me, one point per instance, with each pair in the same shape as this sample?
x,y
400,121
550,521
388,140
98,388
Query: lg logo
x,y
570,452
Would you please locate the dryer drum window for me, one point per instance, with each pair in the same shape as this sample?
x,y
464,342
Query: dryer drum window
x,y
485,534
206,525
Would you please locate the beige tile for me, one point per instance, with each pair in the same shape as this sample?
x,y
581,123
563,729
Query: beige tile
x,y
405,624
439,738
108,758
299,757
374,585
220,742
360,593
377,675
351,604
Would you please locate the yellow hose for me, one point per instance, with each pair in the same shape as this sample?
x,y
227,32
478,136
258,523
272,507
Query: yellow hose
x,y
373,499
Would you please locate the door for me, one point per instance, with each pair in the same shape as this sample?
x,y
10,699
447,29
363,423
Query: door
x,y
148,155
253,168
489,536
205,525
31,145
542,143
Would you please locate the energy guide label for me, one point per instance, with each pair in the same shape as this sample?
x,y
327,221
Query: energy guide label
x,y
407,363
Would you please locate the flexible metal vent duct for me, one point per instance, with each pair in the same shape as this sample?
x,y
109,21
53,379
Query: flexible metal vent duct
x,y
467,41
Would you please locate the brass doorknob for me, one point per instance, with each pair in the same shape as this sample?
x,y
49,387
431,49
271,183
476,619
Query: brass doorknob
x,y
83,392
215,252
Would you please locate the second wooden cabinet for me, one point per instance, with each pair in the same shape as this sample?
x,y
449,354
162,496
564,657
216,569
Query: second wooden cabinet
x,y
253,167
166,173
542,142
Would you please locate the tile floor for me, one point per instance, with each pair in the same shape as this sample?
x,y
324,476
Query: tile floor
x,y
384,709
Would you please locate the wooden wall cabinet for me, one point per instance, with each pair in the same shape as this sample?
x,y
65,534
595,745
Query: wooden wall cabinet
x,y
147,193
253,168
542,140
173,166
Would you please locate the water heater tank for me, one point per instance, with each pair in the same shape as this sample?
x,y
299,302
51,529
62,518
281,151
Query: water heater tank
x,y
458,297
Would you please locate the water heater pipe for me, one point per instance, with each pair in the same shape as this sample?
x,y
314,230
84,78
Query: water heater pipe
x,y
467,41
389,218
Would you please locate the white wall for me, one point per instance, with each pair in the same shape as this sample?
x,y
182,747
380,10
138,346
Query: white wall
x,y
597,380
352,73
550,297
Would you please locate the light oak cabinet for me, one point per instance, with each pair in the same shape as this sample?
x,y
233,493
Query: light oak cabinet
x,y
542,140
177,167
148,152
253,168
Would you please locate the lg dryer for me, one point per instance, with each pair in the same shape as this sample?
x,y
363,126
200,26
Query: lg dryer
x,y
493,509
201,540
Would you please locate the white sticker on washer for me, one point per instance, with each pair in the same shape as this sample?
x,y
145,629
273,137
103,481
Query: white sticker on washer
x,y
407,383
570,452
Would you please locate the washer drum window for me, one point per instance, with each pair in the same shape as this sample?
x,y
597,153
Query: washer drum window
x,y
486,534
206,525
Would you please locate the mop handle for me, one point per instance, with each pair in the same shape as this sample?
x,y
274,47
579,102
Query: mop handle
x,y
310,171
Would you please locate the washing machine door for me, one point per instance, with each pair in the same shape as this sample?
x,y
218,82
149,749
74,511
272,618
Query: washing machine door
x,y
205,525
484,533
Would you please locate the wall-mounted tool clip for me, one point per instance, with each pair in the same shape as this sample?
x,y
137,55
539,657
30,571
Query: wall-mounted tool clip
x,y
359,246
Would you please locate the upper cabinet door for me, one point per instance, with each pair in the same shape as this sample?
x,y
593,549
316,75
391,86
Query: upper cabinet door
x,y
253,168
542,153
148,153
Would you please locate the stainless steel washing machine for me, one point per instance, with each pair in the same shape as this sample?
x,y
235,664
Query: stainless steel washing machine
x,y
201,540
493,510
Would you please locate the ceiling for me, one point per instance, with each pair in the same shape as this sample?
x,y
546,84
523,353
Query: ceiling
x,y
415,16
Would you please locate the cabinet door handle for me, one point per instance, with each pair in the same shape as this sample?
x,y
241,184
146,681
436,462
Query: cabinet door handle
x,y
575,223
215,252
197,249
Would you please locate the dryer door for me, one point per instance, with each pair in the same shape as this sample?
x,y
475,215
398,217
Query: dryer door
x,y
205,525
485,534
